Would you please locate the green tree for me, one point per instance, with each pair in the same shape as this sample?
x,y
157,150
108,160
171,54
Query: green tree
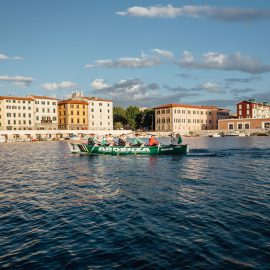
x,y
149,119
131,114
119,116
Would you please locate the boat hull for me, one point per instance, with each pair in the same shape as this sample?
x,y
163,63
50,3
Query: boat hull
x,y
128,150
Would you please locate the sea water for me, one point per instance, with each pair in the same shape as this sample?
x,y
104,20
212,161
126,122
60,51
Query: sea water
x,y
209,209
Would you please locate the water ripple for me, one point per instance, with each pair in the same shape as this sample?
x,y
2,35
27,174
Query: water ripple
x,y
209,209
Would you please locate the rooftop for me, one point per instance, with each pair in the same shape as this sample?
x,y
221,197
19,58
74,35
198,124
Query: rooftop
x,y
16,98
42,97
188,106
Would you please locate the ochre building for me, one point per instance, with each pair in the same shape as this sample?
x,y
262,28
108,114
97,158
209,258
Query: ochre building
x,y
73,114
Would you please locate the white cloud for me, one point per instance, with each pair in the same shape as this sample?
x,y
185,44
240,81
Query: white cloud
x,y
17,58
99,84
163,53
3,57
127,62
58,86
229,14
210,87
17,80
235,61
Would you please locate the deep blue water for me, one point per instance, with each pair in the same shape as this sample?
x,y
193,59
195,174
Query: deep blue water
x,y
209,209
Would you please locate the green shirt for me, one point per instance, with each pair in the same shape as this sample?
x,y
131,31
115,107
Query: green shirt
x,y
137,140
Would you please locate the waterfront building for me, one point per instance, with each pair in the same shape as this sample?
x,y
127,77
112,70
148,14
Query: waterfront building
x,y
73,114
185,118
45,113
253,109
244,124
100,113
17,113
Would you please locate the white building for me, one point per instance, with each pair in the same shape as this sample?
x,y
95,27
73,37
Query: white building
x,y
16,113
188,118
100,113
46,115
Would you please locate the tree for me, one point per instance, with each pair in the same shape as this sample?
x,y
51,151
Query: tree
x,y
118,125
149,119
119,115
131,114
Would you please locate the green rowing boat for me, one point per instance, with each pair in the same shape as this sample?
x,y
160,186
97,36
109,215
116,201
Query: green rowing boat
x,y
83,148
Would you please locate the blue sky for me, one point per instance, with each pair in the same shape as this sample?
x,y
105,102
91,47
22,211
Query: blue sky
x,y
143,53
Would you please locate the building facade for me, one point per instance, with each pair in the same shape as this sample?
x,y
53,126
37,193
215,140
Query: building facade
x,y
17,113
73,114
252,109
45,113
244,124
188,118
100,113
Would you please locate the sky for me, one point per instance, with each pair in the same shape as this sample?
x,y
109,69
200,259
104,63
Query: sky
x,y
137,53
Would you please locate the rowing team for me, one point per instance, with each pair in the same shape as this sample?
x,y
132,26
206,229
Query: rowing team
x,y
108,140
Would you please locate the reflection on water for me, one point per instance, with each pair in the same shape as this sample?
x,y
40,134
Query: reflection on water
x,y
207,210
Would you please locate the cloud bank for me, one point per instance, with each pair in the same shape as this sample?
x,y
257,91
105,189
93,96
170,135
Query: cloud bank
x,y
215,60
226,14
17,80
136,92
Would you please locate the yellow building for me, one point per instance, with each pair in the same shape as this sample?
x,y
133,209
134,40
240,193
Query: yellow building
x,y
73,114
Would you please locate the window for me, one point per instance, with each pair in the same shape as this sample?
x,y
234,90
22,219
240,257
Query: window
x,y
100,110
240,126
230,126
78,121
266,125
246,125
14,114
99,104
